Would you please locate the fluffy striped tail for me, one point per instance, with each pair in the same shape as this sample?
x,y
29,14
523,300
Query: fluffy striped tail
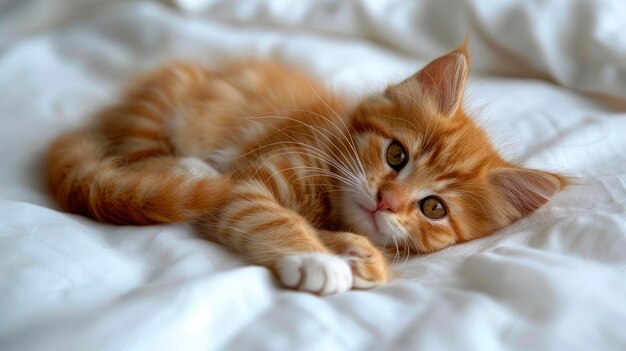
x,y
85,180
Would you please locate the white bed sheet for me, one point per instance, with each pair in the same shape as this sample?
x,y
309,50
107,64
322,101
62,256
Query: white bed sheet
x,y
553,281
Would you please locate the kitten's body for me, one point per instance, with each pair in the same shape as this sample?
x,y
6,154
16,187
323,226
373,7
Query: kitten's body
x,y
269,163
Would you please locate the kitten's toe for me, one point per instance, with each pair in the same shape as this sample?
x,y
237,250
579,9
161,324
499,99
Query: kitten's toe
x,y
367,263
369,268
315,272
367,275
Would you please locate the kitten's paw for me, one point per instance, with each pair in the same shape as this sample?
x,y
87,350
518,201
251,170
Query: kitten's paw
x,y
316,272
369,268
368,264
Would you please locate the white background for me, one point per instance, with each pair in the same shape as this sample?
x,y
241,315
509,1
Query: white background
x,y
553,281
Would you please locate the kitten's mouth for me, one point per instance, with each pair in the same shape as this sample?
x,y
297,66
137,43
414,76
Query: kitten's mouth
x,y
374,224
371,215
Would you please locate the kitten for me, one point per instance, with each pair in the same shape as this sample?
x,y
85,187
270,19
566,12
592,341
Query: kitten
x,y
267,162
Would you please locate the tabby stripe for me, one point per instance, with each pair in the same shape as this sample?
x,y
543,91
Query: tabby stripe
x,y
141,132
253,209
252,197
456,229
272,224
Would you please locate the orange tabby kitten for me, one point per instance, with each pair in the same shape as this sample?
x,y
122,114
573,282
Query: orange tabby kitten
x,y
269,163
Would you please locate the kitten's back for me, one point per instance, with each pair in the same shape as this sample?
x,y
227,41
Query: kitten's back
x,y
132,164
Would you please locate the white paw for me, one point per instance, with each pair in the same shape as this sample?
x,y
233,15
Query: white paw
x,y
315,272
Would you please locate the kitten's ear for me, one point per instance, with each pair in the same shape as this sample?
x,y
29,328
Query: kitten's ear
x,y
440,83
522,191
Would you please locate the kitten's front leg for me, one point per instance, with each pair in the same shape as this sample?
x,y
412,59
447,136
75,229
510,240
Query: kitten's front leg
x,y
254,224
368,264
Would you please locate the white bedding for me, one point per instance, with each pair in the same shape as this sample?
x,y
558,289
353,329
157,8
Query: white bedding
x,y
553,281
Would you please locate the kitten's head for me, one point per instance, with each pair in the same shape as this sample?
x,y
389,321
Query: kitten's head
x,y
431,176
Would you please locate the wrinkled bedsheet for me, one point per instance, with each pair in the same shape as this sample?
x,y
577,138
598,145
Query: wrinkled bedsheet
x,y
549,84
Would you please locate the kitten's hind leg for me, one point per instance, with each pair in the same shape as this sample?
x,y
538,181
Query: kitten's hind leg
x,y
368,264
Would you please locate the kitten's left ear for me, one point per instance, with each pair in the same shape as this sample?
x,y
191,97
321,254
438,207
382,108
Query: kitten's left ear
x,y
522,191
440,83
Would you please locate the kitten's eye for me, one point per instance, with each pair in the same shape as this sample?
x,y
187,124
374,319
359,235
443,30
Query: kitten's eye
x,y
396,156
433,207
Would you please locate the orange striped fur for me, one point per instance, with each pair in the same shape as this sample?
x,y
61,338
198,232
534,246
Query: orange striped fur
x,y
267,162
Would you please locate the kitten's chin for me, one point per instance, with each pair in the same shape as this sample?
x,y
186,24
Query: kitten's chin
x,y
373,225
358,213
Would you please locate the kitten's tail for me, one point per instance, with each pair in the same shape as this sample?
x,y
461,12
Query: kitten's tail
x,y
155,190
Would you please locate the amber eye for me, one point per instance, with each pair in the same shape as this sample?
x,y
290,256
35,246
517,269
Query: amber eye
x,y
433,207
396,156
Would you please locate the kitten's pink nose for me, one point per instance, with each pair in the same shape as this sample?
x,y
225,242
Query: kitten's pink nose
x,y
385,206
390,198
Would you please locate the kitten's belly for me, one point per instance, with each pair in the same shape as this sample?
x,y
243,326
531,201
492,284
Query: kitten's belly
x,y
228,151
260,152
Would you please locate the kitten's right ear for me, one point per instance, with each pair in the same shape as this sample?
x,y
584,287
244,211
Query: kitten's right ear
x,y
441,83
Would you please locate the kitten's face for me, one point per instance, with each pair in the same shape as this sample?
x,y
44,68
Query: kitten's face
x,y
425,181
431,176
